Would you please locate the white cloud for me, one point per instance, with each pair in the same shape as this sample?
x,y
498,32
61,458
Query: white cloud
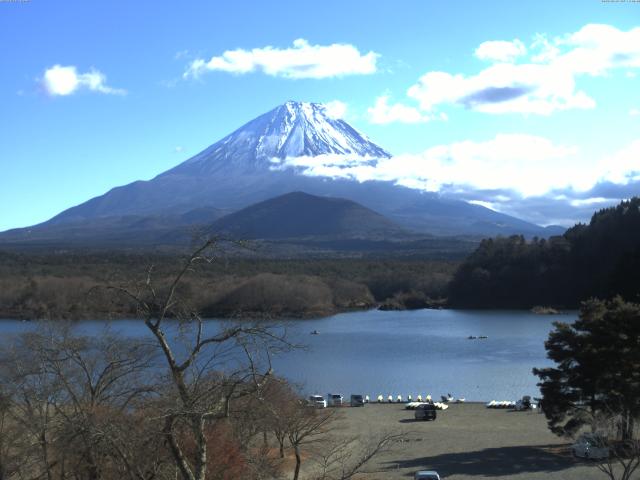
x,y
509,173
634,112
509,161
501,51
580,202
485,204
545,81
59,80
178,149
502,88
382,112
302,60
623,166
336,109
595,49
546,50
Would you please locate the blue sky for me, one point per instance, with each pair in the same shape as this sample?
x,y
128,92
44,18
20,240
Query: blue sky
x,y
531,108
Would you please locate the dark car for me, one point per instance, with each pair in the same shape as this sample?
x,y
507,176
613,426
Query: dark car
x,y
357,401
425,411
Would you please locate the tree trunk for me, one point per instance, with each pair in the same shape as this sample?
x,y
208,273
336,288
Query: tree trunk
x,y
298,462
626,426
201,442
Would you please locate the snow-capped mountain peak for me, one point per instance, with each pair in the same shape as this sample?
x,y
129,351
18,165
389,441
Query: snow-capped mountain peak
x,y
291,130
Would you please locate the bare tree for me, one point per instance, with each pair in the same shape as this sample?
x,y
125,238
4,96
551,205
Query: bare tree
x,y
12,438
69,394
307,426
343,459
623,443
30,397
239,354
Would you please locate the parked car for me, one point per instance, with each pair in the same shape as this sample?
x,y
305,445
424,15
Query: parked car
x,y
591,446
425,411
357,401
524,404
334,400
317,401
426,475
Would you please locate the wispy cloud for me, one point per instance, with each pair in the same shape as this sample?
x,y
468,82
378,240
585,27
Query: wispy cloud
x,y
517,161
382,112
500,50
65,80
336,109
508,173
538,80
623,166
302,60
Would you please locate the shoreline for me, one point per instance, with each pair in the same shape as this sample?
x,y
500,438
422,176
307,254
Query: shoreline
x,y
290,316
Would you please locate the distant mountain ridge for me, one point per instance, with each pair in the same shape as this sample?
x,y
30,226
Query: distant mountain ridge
x,y
300,215
247,167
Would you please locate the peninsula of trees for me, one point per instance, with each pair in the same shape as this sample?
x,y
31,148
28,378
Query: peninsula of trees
x,y
601,259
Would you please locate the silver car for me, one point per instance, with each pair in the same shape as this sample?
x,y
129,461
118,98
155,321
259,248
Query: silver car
x,y
426,475
591,446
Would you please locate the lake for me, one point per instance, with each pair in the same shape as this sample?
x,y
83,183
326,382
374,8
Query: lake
x,y
407,352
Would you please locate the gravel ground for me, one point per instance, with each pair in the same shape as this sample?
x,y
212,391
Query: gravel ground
x,y
468,441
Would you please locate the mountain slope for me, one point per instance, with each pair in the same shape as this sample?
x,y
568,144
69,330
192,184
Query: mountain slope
x,y
298,215
248,166
288,131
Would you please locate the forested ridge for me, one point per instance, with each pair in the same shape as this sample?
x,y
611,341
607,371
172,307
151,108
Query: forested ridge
x,y
63,286
601,259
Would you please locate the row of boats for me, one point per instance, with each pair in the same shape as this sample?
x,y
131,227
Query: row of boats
x,y
418,400
415,405
524,404
501,404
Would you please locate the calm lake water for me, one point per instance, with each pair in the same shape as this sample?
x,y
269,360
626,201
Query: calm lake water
x,y
411,352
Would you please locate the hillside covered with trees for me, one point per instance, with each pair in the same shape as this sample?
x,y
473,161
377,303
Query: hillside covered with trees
x,y
601,259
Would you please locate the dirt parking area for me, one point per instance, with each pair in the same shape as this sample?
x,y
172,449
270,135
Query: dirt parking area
x,y
468,441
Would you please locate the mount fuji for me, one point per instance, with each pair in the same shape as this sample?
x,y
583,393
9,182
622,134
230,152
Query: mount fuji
x,y
252,165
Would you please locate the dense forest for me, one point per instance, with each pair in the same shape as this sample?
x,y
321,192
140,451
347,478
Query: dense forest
x,y
63,285
601,259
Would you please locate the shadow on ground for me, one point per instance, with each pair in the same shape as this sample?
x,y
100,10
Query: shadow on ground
x,y
493,462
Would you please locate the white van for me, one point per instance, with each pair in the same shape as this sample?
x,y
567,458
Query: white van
x,y
334,400
317,401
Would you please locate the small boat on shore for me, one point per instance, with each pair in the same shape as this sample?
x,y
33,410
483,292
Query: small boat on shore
x,y
501,404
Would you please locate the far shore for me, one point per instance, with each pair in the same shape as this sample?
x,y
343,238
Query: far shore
x,y
282,316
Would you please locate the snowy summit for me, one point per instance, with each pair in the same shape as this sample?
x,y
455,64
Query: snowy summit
x,y
295,129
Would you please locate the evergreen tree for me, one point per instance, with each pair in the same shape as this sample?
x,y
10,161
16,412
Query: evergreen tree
x,y
598,368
